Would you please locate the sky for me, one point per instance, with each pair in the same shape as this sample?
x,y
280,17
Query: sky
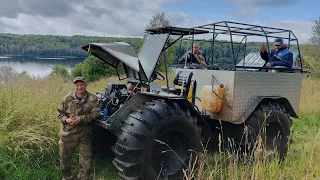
x,y
129,18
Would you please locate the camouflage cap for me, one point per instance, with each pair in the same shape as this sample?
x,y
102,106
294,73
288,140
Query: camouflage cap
x,y
278,41
79,78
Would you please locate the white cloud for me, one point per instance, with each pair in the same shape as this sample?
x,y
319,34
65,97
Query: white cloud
x,y
302,29
111,18
265,2
241,1
94,18
245,11
248,8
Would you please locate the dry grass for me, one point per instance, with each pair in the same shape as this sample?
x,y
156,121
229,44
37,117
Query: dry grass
x,y
302,161
310,96
28,113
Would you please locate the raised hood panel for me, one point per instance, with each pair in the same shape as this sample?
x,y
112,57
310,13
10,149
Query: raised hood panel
x,y
113,53
150,52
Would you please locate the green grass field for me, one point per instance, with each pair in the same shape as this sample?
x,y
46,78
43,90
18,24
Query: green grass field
x,y
29,137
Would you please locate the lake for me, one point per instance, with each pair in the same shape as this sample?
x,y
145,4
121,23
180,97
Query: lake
x,y
37,66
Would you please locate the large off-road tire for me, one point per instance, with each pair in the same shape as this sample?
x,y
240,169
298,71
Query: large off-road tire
x,y
268,129
102,140
156,142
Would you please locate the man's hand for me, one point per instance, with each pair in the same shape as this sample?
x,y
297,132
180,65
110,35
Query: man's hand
x,y
268,65
263,48
69,120
75,120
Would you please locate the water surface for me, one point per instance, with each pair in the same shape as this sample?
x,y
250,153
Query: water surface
x,y
37,66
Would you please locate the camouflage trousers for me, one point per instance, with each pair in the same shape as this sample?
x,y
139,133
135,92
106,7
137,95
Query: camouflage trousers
x,y
67,148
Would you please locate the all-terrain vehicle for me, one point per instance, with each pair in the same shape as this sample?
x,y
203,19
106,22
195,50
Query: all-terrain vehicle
x,y
158,129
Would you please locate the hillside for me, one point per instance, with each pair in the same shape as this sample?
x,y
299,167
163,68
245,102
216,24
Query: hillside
x,y
48,45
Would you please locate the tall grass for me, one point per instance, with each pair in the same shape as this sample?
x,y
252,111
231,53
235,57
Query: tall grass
x,y
302,161
310,96
29,127
29,135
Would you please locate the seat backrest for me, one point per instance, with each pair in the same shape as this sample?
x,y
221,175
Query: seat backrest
x,y
253,59
293,69
183,77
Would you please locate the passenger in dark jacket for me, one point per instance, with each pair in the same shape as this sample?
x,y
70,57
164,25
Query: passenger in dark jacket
x,y
279,56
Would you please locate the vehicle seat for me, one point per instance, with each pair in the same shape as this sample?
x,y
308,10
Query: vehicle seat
x,y
290,70
182,82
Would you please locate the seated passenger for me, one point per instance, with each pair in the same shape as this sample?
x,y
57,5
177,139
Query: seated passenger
x,y
279,56
199,54
196,57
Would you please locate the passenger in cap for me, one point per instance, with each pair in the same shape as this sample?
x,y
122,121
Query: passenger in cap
x,y
279,56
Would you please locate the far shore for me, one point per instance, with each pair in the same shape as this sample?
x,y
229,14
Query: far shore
x,y
7,56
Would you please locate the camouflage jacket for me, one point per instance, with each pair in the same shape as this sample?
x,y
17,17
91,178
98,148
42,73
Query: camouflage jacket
x,y
88,109
200,58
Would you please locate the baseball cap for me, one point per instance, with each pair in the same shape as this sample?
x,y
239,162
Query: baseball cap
x,y
278,41
79,78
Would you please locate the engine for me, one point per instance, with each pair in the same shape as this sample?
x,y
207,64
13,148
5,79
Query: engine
x,y
113,97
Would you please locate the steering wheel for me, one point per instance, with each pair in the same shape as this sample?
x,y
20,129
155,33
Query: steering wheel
x,y
162,77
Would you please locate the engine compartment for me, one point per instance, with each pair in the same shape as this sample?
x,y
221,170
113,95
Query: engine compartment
x,y
113,96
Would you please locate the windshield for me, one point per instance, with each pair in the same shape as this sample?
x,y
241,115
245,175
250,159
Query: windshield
x,y
150,51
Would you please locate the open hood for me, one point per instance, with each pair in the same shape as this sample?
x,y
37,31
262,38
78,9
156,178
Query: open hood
x,y
114,53
152,47
144,63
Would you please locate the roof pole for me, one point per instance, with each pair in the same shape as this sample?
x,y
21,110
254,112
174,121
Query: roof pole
x,y
289,40
185,62
234,60
268,49
212,45
165,68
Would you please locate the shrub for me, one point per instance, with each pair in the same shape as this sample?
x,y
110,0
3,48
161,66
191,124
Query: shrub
x,y
93,69
61,71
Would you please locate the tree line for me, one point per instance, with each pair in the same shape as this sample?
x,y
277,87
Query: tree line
x,y
70,46
49,45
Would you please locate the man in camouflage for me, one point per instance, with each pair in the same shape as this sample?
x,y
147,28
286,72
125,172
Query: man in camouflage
x,y
76,112
198,54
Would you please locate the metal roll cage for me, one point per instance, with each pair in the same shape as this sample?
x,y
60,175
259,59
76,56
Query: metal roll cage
x,y
232,29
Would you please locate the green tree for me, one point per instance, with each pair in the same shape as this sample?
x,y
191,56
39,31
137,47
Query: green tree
x,y
48,45
315,39
159,20
93,69
312,51
24,74
6,71
77,70
61,71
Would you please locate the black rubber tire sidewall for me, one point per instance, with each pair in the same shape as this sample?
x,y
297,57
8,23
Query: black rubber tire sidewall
x,y
274,115
177,123
136,138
